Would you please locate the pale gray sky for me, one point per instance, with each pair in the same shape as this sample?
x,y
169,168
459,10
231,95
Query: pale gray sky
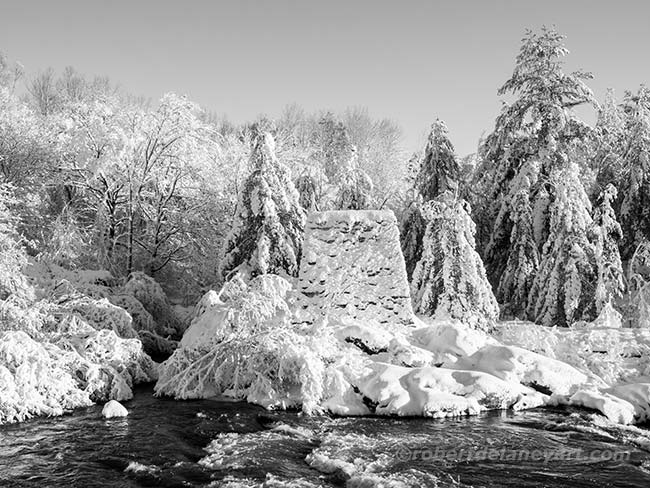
x,y
411,61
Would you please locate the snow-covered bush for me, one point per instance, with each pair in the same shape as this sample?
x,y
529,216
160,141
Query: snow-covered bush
x,y
70,365
100,314
33,382
244,345
151,295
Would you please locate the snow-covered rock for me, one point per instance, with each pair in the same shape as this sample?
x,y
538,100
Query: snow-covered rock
x,y
448,340
617,355
114,409
441,392
516,365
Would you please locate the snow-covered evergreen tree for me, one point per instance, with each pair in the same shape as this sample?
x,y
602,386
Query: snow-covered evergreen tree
x,y
307,191
439,169
539,125
355,186
564,288
606,234
449,280
608,146
635,205
438,172
267,231
411,235
523,259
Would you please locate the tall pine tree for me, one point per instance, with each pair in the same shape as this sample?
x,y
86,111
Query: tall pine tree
x,y
539,127
437,173
635,205
267,231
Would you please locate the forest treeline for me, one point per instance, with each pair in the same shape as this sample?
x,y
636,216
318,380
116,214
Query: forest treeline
x,y
550,218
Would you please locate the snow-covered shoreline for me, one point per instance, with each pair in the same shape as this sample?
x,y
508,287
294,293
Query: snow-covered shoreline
x,y
439,368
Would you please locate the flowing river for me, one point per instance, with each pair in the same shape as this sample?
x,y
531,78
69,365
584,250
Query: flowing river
x,y
215,443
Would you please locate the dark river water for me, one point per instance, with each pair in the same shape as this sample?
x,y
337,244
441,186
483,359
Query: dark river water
x,y
163,443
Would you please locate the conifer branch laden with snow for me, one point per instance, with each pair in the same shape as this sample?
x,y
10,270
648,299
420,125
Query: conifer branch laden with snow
x,y
267,231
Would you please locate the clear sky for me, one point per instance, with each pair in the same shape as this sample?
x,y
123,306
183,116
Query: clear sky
x,y
411,61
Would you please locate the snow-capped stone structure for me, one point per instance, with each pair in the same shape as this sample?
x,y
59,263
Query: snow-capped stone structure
x,y
352,266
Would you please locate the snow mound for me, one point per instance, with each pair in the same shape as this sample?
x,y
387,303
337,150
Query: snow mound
x,y
352,265
514,364
441,392
448,340
617,355
114,409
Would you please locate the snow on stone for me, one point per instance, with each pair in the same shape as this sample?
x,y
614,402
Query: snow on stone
x,y
114,409
352,265
514,364
448,339
438,392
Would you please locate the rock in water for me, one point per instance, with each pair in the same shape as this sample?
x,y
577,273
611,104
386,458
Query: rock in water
x,y
114,409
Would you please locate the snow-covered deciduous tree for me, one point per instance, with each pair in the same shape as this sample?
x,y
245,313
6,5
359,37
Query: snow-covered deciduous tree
x,y
607,233
334,148
12,253
523,259
378,145
267,231
449,280
355,186
564,288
